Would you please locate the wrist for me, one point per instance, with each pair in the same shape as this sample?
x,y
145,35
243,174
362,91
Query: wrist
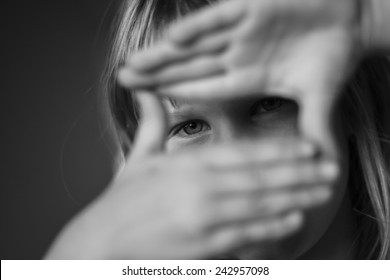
x,y
78,240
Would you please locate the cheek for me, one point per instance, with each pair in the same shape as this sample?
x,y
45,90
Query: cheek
x,y
286,129
281,124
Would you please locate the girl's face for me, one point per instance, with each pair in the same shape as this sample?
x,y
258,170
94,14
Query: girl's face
x,y
193,124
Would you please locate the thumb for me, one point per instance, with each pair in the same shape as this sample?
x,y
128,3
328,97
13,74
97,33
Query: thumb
x,y
317,119
320,88
152,129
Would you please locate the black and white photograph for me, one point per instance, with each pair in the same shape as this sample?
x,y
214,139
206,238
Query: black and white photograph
x,y
196,130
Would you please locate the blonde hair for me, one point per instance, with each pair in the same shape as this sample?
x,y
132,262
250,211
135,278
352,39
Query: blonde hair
x,y
138,23
365,108
365,105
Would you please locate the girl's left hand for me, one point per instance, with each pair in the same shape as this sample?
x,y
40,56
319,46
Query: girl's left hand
x,y
299,49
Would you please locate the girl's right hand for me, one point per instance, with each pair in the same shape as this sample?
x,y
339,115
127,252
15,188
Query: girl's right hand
x,y
198,203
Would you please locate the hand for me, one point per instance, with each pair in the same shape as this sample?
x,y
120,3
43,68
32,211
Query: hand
x,y
298,49
244,47
199,203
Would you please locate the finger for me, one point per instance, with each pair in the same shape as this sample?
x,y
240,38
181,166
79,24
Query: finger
x,y
196,68
242,208
318,119
167,54
152,130
207,21
242,154
238,235
259,180
320,93
157,56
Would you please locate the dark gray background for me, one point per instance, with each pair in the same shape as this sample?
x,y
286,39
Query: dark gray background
x,y
54,160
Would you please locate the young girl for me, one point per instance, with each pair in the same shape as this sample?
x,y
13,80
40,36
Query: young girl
x,y
234,177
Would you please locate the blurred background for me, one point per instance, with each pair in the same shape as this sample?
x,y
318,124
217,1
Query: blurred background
x,y
54,157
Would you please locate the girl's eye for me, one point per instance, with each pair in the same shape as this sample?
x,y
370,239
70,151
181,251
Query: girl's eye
x,y
192,127
268,104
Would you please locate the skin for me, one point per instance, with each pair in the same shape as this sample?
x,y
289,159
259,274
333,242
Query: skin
x,y
269,119
199,202
286,47
240,48
136,216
